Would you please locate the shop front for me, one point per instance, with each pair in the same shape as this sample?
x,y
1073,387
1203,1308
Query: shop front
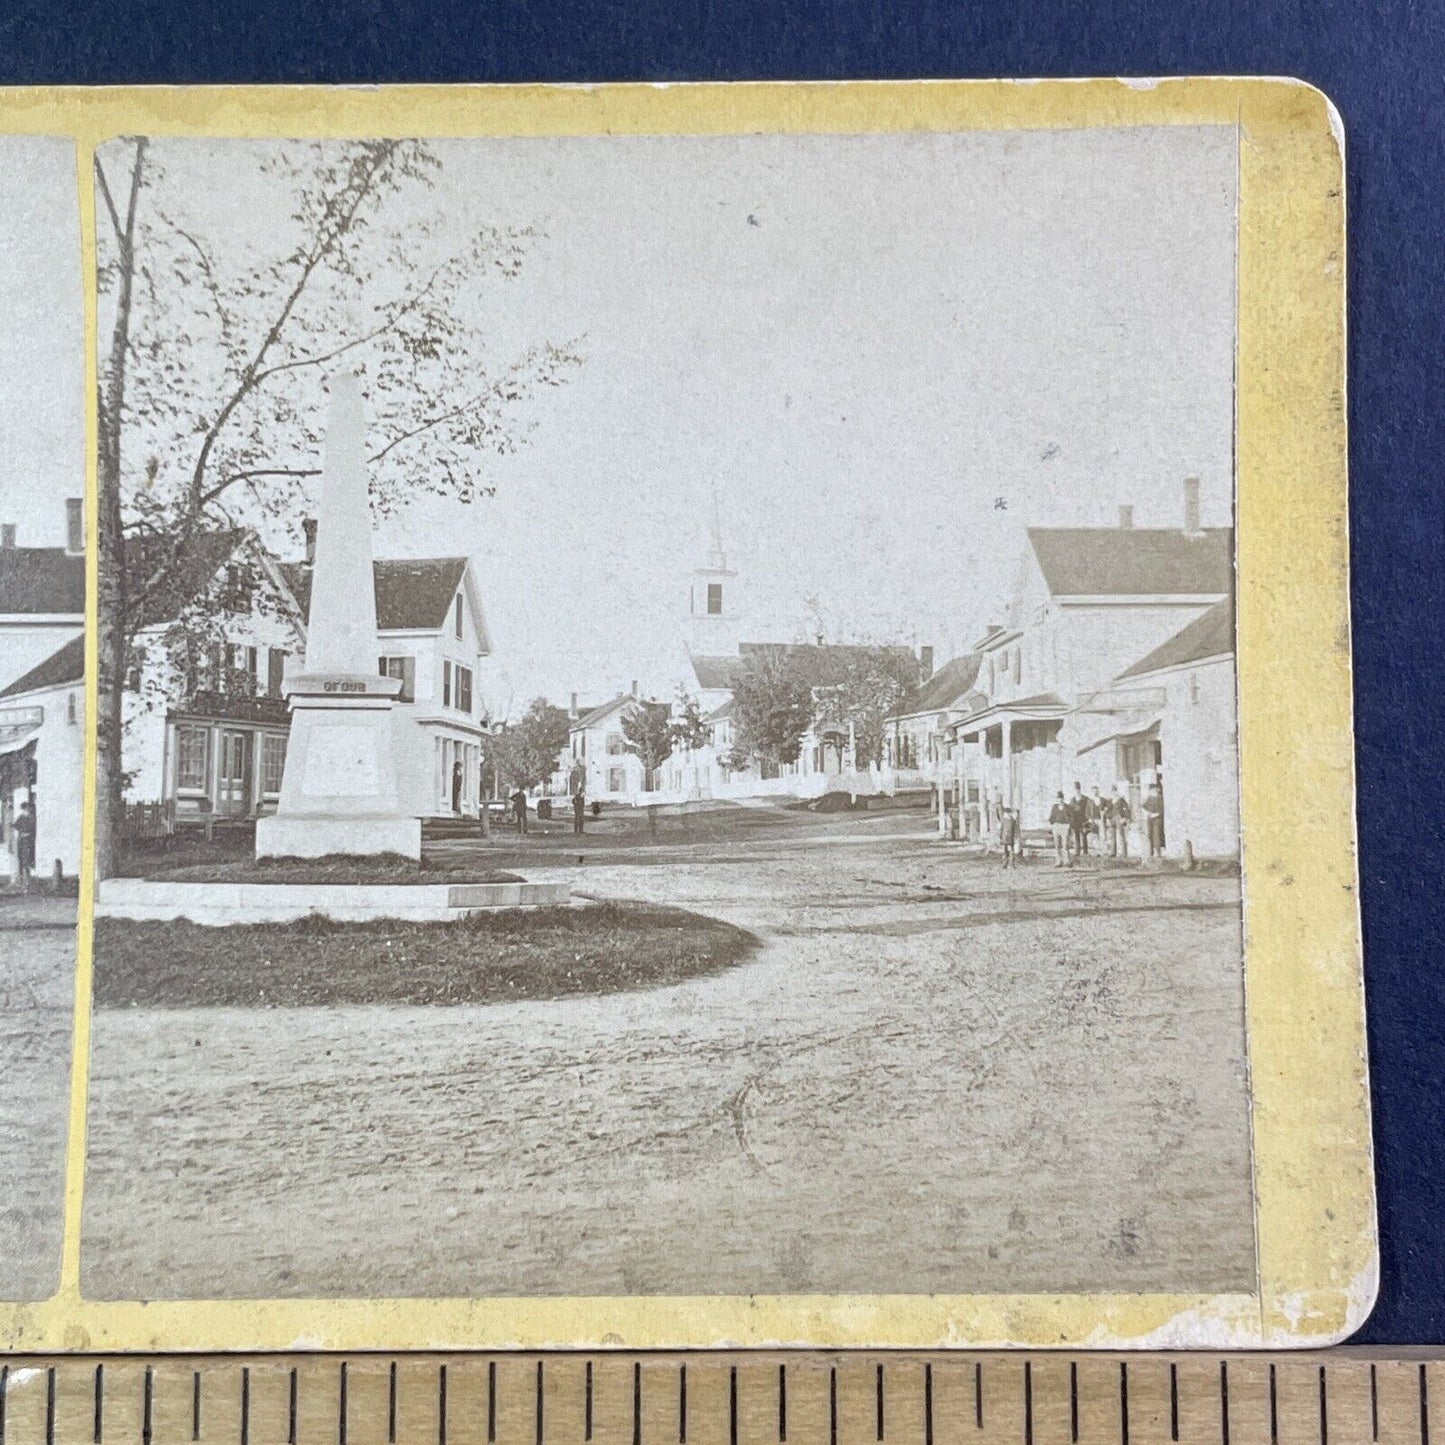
x,y
224,760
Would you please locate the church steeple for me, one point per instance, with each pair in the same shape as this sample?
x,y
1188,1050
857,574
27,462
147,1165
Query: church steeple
x,y
713,600
717,558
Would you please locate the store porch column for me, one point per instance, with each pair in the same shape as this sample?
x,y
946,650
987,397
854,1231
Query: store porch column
x,y
1008,772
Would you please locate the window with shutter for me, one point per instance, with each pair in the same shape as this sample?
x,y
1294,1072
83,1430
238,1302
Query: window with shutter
x,y
403,668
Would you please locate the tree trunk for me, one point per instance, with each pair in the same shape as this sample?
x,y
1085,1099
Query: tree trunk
x,y
112,628
110,719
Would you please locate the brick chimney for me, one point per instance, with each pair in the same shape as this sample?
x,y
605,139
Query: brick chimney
x,y
308,528
632,691
572,707
1126,519
7,536
74,524
925,662
1191,508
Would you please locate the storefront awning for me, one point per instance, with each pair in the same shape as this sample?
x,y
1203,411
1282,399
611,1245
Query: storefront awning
x,y
19,726
1044,707
1146,732
1125,700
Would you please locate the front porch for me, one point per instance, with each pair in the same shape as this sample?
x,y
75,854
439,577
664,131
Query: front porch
x,y
1004,755
222,765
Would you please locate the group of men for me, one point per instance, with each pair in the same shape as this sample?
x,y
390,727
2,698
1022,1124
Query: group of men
x,y
518,800
1074,821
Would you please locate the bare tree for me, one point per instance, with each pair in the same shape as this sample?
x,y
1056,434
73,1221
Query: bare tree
x,y
211,386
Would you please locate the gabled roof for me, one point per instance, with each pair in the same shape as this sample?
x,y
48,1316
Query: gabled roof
x,y
178,582
1040,707
714,673
42,581
722,712
1134,561
601,714
63,668
1209,635
412,594
416,595
946,688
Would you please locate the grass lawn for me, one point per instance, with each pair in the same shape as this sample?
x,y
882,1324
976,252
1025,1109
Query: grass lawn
x,y
194,866
483,958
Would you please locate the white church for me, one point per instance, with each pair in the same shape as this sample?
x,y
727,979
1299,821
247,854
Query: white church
x,y
718,652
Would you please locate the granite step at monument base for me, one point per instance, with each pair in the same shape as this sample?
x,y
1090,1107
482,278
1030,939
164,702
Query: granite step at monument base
x,y
154,900
313,835
441,829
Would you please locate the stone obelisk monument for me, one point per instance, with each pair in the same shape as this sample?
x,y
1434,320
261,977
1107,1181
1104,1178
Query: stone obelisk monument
x,y
338,790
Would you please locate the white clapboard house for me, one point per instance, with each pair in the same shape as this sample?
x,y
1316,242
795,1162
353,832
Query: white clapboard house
x,y
42,694
206,719
1062,693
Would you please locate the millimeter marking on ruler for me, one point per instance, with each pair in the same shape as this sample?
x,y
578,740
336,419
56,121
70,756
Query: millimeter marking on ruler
x,y
1340,1397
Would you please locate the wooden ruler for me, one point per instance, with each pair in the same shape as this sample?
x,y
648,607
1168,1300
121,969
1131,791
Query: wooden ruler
x,y
1336,1397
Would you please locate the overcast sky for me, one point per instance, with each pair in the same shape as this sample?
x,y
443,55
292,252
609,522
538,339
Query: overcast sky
x,y
42,339
889,353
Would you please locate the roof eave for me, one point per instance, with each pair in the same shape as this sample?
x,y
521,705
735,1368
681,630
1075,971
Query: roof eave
x,y
1138,671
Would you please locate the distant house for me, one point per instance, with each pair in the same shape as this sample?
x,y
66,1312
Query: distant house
x,y
1195,733
823,755
207,721
432,634
42,595
42,757
918,738
42,618
1049,709
600,760
714,674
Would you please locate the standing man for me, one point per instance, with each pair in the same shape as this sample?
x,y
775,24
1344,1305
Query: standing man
x,y
25,843
457,777
1097,803
1109,825
1079,821
519,810
1009,836
1154,818
1123,816
1060,825
579,810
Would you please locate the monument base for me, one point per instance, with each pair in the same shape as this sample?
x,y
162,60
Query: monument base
x,y
338,788
356,835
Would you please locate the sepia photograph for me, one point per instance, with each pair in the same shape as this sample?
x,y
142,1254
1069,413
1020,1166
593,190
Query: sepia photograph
x,y
42,692
667,718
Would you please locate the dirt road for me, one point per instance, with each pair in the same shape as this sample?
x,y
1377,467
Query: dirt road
x,y
933,1076
37,992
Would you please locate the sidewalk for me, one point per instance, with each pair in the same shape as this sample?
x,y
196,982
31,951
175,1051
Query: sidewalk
x,y
37,910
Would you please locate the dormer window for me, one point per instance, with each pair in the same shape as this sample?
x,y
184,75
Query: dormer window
x,y
457,615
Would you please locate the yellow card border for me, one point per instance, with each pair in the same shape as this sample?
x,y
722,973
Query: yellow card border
x,y
1315,1223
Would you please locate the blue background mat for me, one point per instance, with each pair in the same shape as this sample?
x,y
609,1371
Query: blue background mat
x,y
1382,62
